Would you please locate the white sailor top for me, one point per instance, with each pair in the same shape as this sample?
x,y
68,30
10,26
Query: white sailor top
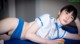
x,y
49,28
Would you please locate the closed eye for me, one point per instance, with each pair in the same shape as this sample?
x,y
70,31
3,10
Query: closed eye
x,y
72,17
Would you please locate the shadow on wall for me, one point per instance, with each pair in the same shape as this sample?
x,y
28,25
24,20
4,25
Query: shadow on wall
x,y
3,9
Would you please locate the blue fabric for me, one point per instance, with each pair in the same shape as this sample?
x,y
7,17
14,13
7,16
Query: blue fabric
x,y
71,30
18,30
57,29
18,41
40,21
67,41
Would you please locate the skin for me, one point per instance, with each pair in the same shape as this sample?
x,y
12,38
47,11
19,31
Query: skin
x,y
29,33
77,21
65,17
11,23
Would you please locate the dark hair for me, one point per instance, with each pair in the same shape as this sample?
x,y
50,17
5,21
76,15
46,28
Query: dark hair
x,y
70,8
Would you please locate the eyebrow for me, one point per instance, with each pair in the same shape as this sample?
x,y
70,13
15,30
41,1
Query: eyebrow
x,y
70,12
72,16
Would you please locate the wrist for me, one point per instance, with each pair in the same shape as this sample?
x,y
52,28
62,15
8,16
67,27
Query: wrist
x,y
52,41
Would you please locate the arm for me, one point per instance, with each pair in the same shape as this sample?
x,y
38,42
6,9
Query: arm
x,y
31,35
72,36
77,21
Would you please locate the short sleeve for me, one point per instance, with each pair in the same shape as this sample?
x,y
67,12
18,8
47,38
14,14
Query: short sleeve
x,y
43,20
62,33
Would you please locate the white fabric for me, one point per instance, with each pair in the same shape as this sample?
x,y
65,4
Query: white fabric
x,y
47,27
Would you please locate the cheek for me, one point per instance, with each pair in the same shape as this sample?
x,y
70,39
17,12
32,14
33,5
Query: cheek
x,y
70,20
62,16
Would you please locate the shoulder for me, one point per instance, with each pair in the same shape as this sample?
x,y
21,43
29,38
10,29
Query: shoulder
x,y
43,19
45,16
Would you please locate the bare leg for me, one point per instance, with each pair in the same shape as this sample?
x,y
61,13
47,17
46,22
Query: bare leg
x,y
7,25
4,37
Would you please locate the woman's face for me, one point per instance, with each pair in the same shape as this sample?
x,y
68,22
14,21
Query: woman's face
x,y
65,17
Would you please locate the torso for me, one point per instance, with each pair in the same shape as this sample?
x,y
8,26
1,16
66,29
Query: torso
x,y
42,32
24,30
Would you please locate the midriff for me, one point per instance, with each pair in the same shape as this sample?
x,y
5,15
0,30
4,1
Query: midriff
x,y
24,30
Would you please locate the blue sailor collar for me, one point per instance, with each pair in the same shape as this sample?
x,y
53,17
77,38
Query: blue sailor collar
x,y
58,23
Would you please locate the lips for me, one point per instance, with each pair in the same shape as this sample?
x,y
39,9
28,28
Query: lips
x,y
65,20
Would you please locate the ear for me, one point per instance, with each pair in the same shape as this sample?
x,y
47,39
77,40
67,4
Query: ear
x,y
59,13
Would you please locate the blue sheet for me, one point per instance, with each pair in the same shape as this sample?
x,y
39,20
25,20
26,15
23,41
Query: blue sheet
x,y
67,41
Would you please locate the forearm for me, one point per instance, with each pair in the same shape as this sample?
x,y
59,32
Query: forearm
x,y
75,37
72,36
37,39
78,25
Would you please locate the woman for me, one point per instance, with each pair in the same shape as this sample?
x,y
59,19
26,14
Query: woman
x,y
45,29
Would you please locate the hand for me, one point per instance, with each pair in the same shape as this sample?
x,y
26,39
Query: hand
x,y
60,40
76,20
56,41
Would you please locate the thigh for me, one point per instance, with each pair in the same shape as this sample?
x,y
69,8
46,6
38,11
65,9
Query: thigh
x,y
8,24
4,37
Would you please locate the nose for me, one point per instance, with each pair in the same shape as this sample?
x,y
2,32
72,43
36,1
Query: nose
x,y
67,17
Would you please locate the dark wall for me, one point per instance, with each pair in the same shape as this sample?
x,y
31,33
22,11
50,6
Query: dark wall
x,y
25,9
3,9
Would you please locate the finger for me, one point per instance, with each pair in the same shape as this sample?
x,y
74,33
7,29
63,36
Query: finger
x,y
61,41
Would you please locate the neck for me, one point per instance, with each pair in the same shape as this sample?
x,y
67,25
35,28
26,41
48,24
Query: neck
x,y
59,21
